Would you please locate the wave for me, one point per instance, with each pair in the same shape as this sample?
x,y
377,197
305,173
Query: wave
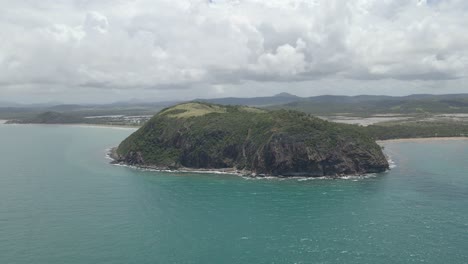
x,y
391,163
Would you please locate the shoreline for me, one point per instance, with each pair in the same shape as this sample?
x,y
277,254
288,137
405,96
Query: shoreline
x,y
419,139
246,174
113,157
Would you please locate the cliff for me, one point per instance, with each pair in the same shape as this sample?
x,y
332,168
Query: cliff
x,y
255,141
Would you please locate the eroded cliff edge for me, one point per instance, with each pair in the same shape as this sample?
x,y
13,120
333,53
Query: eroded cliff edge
x,y
250,140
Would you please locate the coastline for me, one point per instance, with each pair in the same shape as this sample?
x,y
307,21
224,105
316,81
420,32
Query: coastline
x,y
246,174
249,174
111,155
420,139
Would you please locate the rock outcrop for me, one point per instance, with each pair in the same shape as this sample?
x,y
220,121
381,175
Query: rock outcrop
x,y
254,141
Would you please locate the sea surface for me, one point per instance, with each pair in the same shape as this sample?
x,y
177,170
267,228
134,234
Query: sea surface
x,y
62,202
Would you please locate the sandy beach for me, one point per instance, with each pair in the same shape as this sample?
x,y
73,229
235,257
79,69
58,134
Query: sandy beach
x,y
421,139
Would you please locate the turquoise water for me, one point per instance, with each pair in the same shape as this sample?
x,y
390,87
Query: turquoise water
x,y
62,202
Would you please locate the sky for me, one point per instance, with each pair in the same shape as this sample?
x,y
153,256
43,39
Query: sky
x,y
99,51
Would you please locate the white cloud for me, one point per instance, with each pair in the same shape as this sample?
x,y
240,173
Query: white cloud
x,y
286,61
162,44
96,22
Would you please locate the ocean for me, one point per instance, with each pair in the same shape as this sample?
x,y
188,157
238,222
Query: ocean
x,y
61,201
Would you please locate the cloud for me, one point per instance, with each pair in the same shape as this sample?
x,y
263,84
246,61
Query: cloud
x,y
286,61
96,21
145,44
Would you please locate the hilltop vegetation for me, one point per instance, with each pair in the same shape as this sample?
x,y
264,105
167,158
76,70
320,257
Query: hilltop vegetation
x,y
201,135
192,109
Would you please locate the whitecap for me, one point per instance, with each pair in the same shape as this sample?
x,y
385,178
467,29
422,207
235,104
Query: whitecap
x,y
391,163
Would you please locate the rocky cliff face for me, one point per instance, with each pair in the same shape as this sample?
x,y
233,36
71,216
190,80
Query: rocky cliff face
x,y
279,143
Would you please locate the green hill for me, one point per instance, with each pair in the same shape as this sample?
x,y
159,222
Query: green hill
x,y
251,140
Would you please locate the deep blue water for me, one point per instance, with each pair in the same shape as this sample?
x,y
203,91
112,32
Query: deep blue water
x,y
62,202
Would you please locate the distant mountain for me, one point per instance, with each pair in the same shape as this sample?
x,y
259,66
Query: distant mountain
x,y
362,105
128,108
358,105
50,118
284,95
281,98
67,107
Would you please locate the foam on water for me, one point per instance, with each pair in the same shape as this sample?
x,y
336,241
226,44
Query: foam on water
x,y
391,163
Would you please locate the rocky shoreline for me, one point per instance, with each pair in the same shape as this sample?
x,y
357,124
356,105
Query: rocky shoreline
x,y
117,160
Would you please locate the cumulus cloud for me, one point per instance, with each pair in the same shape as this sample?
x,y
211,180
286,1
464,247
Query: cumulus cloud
x,y
162,44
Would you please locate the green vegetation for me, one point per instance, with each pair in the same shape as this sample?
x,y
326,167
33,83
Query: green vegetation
x,y
201,135
192,109
50,118
417,129
370,105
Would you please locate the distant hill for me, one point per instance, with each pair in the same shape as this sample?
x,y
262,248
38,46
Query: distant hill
x,y
281,98
361,105
50,118
286,95
255,141
357,105
372,104
24,112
